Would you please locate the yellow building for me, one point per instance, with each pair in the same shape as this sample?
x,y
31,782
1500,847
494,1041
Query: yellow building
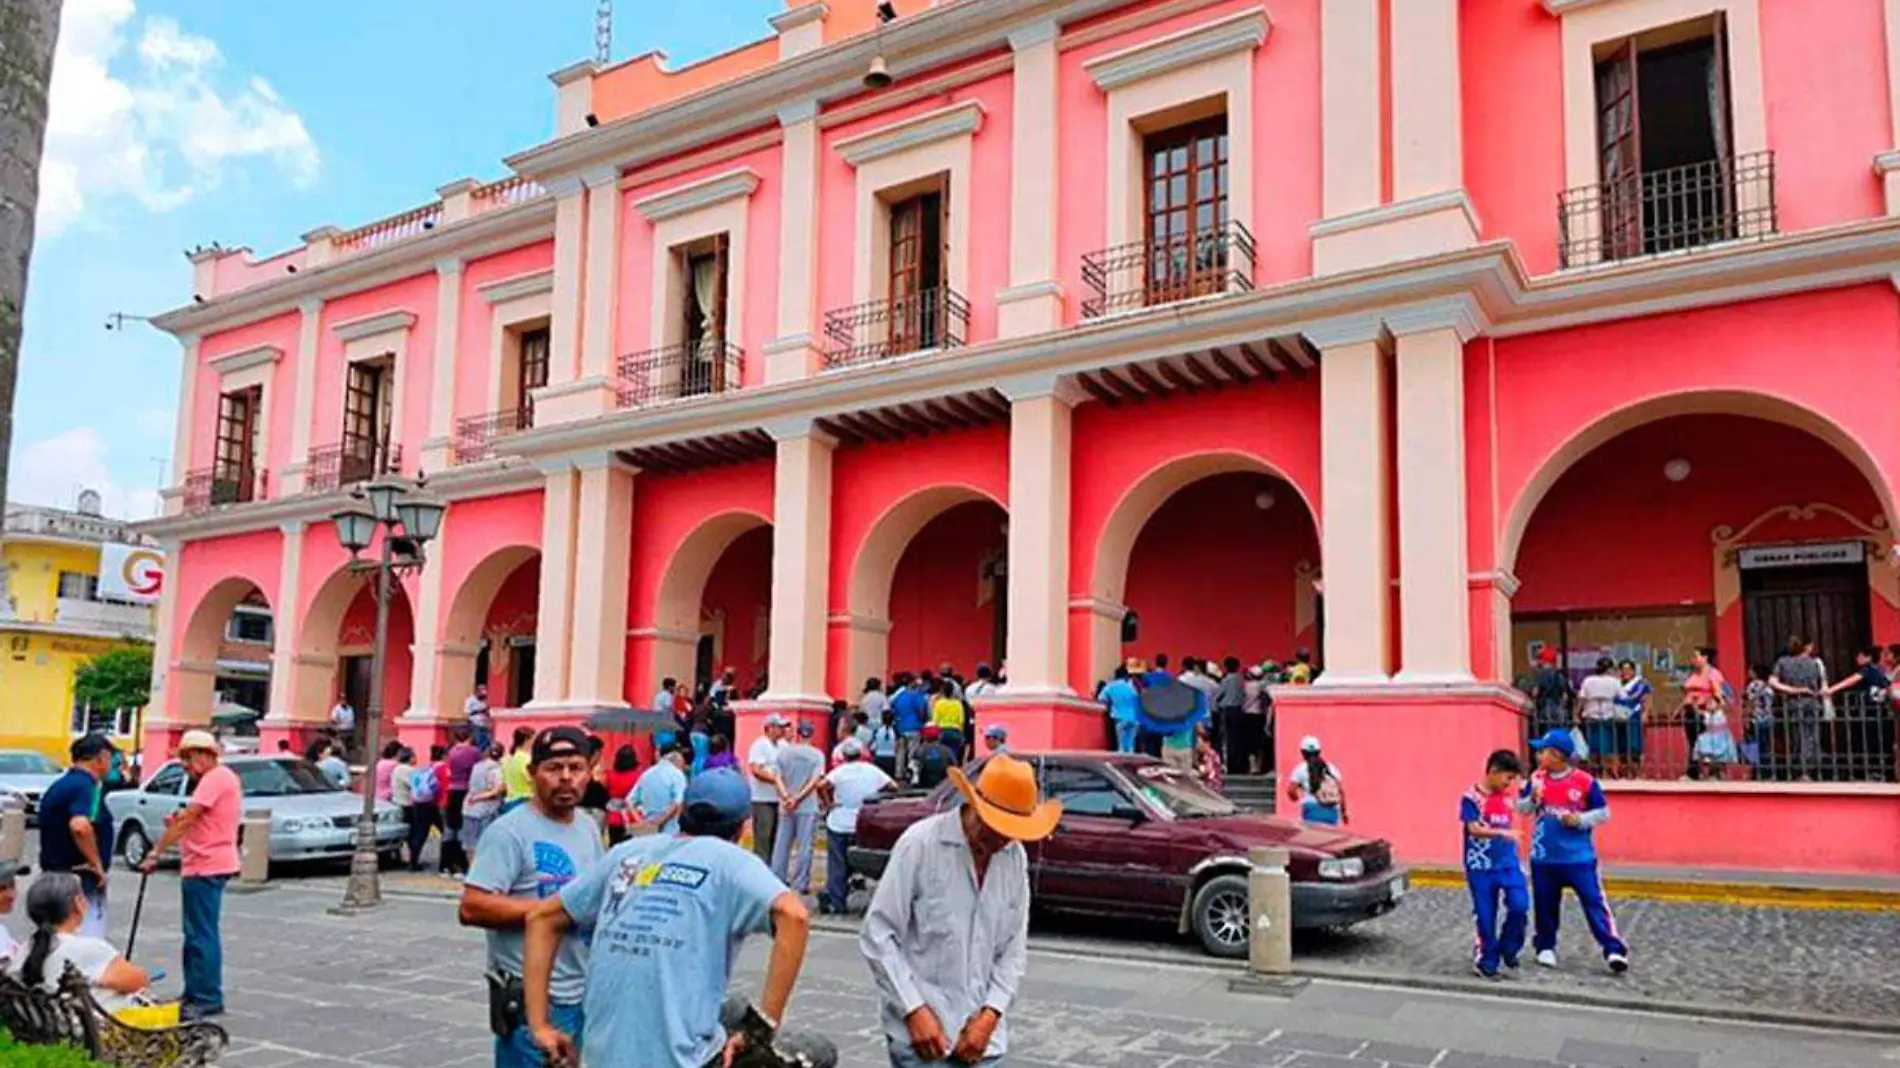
x,y
52,619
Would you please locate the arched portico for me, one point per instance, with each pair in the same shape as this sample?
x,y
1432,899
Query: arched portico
x,y
470,621
335,644
727,558
191,683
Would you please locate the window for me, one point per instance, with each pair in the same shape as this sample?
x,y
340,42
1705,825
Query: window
x,y
89,720
167,781
369,402
240,442
917,270
707,265
78,586
249,625
531,373
1663,139
1082,793
1184,215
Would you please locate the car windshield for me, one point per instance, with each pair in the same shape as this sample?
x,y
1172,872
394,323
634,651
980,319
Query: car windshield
x,y
1178,792
27,764
281,778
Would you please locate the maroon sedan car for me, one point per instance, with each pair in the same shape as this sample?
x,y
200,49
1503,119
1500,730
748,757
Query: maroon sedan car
x,y
1142,840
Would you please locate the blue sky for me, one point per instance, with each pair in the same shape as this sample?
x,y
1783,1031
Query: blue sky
x,y
249,122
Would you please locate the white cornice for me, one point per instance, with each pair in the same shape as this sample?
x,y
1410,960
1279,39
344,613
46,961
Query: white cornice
x,y
1459,313
1345,330
799,16
957,120
1242,31
245,359
574,72
796,112
1887,162
1399,212
387,322
1560,8
1062,387
521,285
731,185
1036,33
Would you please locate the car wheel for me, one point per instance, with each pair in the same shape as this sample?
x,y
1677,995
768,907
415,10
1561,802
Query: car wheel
x,y
133,845
1220,916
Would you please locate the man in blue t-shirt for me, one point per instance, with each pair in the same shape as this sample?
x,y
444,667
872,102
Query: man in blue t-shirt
x,y
657,797
668,916
1569,805
1124,709
76,826
1488,813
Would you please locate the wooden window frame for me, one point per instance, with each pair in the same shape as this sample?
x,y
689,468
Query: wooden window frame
x,y
368,415
532,350
916,300
234,462
1201,271
702,352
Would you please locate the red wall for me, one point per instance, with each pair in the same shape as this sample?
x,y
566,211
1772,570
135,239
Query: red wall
x,y
359,632
740,587
935,612
513,612
1213,575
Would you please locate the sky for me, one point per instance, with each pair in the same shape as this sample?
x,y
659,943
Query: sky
x,y
177,123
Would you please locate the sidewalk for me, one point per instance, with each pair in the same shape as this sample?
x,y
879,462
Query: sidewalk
x,y
1726,886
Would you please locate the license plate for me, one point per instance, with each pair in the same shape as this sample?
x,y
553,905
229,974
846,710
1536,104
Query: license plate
x,y
1398,887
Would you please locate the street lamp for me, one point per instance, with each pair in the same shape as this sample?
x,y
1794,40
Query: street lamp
x,y
411,516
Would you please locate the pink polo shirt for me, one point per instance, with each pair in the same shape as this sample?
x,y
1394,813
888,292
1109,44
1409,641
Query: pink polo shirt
x,y
210,846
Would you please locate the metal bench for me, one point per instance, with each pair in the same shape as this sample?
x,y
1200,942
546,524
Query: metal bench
x,y
69,1015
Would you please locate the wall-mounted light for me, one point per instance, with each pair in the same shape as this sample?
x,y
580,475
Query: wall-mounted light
x,y
1676,470
592,119
1263,500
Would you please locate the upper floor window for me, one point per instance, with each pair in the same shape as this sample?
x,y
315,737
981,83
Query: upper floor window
x,y
249,625
369,414
240,442
916,256
1184,211
78,586
707,266
527,373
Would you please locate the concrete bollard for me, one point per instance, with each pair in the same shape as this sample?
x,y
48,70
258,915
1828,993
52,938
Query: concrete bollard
x,y
1270,913
13,834
254,848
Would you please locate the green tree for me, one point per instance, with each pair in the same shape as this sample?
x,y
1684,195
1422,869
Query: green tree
x,y
28,29
117,678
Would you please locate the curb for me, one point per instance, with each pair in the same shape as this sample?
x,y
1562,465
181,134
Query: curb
x,y
1714,892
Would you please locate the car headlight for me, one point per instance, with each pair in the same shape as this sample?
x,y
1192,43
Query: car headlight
x,y
300,824
1342,868
386,816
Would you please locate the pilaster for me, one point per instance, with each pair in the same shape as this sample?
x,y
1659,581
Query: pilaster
x,y
1041,409
602,262
188,361
303,413
1032,304
570,246
426,701
793,352
559,511
602,556
448,330
801,562
289,690
1355,487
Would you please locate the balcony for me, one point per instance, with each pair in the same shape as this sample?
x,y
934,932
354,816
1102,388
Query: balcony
x,y
216,487
334,467
477,435
877,330
1669,210
131,620
689,369
1164,270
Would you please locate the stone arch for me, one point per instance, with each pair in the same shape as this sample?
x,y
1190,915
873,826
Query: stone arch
x,y
191,688
680,597
465,622
317,663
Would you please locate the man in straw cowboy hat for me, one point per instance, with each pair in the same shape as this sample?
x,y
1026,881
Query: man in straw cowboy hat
x,y
947,932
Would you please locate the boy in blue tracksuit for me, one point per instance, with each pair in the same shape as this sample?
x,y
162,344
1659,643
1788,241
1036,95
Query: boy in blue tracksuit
x,y
1488,813
1569,805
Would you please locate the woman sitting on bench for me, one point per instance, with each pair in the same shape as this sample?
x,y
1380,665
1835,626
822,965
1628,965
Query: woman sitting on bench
x,y
57,905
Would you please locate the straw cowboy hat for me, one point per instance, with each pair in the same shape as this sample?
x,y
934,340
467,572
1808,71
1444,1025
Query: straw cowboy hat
x,y
198,740
1006,798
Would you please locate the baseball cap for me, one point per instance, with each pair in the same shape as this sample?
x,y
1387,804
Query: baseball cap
x,y
11,871
996,730
1559,740
555,742
852,749
931,730
1309,744
775,720
91,745
718,796
1548,654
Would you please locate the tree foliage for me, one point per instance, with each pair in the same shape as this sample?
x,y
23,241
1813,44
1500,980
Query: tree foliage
x,y
117,678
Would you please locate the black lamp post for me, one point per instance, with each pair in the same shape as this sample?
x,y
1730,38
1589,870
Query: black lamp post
x,y
410,519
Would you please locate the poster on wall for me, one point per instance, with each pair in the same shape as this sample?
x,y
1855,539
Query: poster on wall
x,y
131,574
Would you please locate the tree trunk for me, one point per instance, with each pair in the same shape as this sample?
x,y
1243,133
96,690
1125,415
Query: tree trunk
x,y
28,29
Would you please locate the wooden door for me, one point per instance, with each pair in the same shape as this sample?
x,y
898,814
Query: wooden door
x,y
916,277
1185,220
365,415
235,476
1827,604
531,374
1619,154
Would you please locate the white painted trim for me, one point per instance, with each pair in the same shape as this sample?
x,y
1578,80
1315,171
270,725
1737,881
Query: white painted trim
x,y
1036,33
521,285
1399,212
1062,387
705,193
371,325
245,359
859,621
1099,606
799,16
957,120
574,72
1887,162
798,111
1243,30
1503,581
1459,313
1346,330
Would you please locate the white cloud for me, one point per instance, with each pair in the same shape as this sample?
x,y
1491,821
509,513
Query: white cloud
x,y
153,123
53,470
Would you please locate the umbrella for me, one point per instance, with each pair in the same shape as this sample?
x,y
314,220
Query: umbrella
x,y
1170,706
631,721
230,715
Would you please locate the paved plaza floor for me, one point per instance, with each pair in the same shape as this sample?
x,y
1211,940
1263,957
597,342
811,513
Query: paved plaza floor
x,y
401,987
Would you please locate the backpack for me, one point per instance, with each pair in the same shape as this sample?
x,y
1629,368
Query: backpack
x,y
422,786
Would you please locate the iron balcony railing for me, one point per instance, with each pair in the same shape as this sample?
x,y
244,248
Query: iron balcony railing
x,y
1669,210
674,372
348,462
477,435
1163,270
215,487
936,318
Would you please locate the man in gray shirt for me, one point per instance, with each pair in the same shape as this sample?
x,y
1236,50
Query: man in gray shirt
x,y
526,857
800,767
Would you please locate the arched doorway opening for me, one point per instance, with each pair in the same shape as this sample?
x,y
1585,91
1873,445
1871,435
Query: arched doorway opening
x,y
488,635
335,647
224,654
713,612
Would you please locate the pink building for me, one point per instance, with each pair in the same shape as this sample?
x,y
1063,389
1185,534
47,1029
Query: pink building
x,y
1467,326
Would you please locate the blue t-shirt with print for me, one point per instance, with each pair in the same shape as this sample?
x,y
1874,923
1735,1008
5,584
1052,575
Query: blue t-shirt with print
x,y
669,916
660,788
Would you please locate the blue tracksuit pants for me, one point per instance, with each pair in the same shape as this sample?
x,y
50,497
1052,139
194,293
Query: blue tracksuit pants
x,y
1488,890
1548,882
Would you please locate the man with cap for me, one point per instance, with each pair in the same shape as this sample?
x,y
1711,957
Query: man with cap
x,y
668,915
526,857
206,834
1569,805
930,760
767,795
947,934
800,766
76,826
1317,786
843,791
996,738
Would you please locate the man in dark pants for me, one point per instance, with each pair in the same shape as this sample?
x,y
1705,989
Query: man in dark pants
x,y
76,826
206,833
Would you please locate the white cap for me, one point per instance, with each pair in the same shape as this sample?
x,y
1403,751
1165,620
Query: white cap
x,y
773,719
1309,744
201,740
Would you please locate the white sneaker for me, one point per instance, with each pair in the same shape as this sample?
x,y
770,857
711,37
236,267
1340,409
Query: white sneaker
x,y
1618,963
1547,958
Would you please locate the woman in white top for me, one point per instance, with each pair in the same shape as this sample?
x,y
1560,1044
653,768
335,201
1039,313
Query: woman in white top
x,y
57,905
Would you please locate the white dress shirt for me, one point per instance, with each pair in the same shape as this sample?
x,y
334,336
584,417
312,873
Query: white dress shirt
x,y
932,937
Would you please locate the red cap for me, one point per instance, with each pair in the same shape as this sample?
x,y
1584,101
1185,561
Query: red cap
x,y
1547,655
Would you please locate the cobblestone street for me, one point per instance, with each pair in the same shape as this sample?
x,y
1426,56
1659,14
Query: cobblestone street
x,y
401,988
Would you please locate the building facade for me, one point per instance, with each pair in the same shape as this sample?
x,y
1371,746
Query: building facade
x,y
1425,334
54,617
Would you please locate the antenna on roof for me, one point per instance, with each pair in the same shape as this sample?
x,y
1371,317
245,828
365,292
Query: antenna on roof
x,y
604,32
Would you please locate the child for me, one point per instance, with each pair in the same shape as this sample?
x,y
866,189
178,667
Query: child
x,y
1569,804
1488,813
1207,762
1715,746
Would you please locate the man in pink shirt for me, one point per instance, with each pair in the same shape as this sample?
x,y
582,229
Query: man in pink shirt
x,y
206,835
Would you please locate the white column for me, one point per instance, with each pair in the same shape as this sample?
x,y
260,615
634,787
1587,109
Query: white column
x,y
448,331
1349,106
165,636
1033,302
603,533
556,608
793,352
1040,414
1355,484
1427,127
303,415
188,363
287,628
801,562
570,246
1434,598
602,260
425,700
